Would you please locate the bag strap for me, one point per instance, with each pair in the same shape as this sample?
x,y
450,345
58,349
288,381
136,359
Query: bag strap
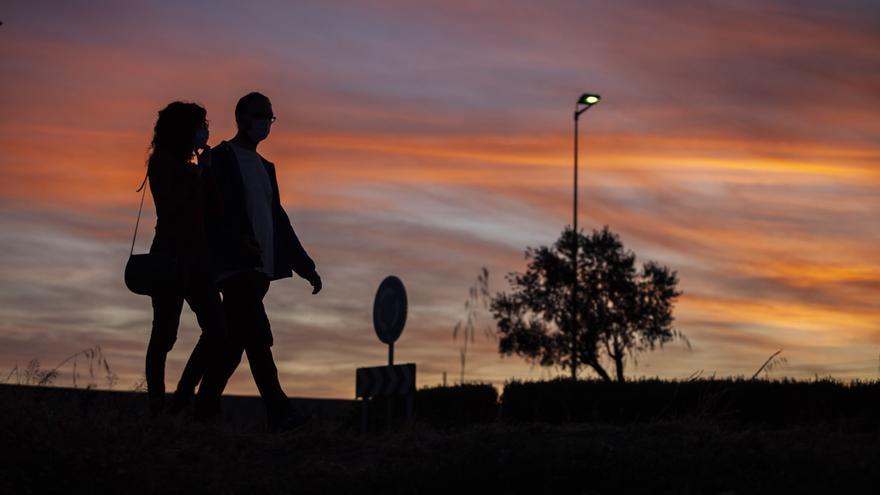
x,y
143,186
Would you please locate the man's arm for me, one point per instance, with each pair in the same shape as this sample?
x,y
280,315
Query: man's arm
x,y
301,263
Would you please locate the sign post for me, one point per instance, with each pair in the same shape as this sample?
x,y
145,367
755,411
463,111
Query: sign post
x,y
391,381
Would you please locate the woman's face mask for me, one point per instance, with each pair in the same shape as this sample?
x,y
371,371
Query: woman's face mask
x,y
200,139
258,130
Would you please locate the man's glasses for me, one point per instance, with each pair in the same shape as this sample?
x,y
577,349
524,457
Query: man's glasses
x,y
271,118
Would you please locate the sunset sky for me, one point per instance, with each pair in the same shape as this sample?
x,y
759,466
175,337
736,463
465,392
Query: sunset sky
x,y
737,142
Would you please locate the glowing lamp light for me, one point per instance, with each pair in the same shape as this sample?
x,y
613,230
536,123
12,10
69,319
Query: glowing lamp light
x,y
589,99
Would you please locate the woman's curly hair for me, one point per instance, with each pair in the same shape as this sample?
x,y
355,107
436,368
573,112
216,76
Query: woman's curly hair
x,y
175,129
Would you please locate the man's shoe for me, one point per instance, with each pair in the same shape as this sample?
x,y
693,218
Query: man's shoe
x,y
157,405
180,401
289,422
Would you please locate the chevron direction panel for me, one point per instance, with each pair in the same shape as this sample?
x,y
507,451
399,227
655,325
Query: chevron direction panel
x,y
382,381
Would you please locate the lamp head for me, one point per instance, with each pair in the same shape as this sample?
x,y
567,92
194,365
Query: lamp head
x,y
588,99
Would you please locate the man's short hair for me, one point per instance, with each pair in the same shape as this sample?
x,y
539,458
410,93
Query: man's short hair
x,y
246,101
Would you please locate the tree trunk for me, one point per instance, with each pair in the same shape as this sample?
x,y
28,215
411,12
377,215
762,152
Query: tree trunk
x,y
573,365
618,365
599,370
574,354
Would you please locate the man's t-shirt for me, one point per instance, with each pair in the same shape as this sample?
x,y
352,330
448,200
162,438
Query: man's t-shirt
x,y
258,201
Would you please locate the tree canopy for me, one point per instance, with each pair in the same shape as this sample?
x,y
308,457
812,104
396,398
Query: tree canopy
x,y
620,310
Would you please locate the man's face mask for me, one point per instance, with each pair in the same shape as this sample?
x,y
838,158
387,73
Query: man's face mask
x,y
258,130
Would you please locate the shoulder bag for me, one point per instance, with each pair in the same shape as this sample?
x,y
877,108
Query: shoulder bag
x,y
149,273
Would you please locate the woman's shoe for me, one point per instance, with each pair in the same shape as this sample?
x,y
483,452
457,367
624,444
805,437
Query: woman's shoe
x,y
180,401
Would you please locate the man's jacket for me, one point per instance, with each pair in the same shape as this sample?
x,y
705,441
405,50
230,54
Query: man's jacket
x,y
232,236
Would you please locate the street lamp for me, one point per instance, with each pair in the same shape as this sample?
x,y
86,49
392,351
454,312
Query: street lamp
x,y
584,103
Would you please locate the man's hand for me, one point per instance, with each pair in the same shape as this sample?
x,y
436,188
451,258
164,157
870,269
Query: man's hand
x,y
315,280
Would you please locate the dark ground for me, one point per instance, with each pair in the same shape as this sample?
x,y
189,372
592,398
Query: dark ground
x,y
110,447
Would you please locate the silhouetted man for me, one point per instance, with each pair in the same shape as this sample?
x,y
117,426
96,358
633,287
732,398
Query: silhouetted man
x,y
254,244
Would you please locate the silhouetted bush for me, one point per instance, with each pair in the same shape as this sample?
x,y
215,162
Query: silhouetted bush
x,y
776,402
457,405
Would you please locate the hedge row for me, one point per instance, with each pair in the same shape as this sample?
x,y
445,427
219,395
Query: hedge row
x,y
776,402
457,405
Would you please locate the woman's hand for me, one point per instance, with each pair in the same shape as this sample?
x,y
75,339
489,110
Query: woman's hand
x,y
203,155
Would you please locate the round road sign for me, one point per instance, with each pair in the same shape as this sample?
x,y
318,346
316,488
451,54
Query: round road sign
x,y
389,310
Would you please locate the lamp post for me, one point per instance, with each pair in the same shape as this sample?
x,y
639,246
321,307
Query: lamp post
x,y
584,103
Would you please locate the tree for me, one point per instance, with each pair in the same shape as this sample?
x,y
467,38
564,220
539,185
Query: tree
x,y
620,311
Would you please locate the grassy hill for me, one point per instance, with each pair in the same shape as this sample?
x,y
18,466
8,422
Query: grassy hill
x,y
53,445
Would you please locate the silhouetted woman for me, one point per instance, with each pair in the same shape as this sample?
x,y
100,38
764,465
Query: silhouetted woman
x,y
181,197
